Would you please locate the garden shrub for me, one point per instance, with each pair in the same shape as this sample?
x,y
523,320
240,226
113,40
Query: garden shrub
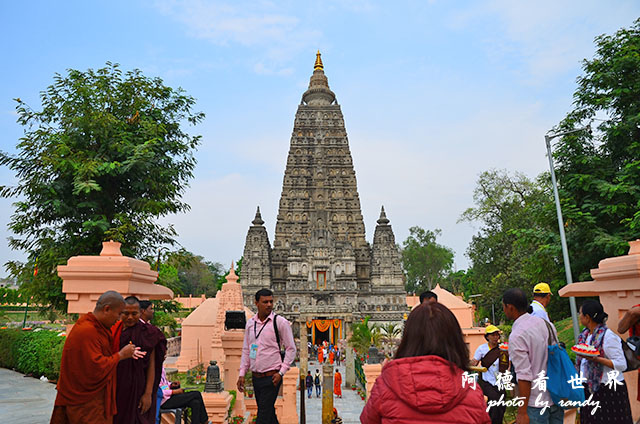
x,y
37,353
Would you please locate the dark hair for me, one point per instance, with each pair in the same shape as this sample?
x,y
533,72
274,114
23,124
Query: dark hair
x,y
517,298
131,300
144,304
541,295
432,329
263,292
428,295
594,310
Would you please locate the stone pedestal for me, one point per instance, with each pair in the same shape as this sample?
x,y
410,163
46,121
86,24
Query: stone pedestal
x,y
617,282
327,394
371,373
289,413
85,278
349,361
304,349
232,341
217,405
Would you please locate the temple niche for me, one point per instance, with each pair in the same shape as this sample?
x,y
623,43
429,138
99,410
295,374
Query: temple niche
x,y
321,267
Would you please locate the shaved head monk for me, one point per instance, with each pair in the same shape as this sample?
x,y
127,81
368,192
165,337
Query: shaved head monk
x,y
138,381
87,383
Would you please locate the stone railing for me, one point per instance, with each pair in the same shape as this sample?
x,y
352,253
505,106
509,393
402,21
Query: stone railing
x,y
173,346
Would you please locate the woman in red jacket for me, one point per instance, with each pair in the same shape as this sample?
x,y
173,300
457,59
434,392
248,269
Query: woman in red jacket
x,y
424,382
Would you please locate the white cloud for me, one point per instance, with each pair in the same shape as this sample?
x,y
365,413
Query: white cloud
x,y
546,37
250,24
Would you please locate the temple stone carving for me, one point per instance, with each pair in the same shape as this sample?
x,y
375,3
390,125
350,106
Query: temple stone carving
x,y
321,266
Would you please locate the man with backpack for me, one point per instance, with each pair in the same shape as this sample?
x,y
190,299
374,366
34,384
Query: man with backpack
x,y
264,334
318,383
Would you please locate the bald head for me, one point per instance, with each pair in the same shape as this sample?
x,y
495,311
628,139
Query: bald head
x,y
108,308
111,298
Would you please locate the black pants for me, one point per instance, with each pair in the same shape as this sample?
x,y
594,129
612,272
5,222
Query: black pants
x,y
266,394
191,400
496,413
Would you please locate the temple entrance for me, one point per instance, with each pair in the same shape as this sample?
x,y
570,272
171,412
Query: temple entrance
x,y
329,330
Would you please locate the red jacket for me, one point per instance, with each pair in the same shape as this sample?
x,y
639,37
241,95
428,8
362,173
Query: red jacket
x,y
423,389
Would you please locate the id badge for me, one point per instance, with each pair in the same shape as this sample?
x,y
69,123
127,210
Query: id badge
x,y
253,351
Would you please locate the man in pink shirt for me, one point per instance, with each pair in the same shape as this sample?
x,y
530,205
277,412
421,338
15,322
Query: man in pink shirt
x,y
264,334
528,353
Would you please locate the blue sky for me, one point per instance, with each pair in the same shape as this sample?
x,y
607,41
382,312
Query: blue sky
x,y
433,93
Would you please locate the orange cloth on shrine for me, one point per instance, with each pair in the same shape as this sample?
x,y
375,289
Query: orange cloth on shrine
x,y
331,357
87,371
337,384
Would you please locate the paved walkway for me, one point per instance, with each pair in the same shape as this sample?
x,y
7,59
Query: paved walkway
x,y
349,406
25,400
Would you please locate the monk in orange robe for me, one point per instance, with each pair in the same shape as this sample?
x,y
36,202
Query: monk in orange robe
x,y
87,383
331,357
320,356
337,384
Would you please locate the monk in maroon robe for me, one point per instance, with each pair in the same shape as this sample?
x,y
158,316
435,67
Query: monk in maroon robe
x,y
138,380
87,383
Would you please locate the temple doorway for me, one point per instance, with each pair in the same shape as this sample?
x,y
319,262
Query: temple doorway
x,y
329,330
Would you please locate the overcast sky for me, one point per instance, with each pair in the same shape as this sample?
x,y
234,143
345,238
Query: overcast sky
x,y
433,93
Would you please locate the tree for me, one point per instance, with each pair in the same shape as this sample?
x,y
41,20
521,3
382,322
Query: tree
x,y
424,261
518,243
363,335
104,157
599,173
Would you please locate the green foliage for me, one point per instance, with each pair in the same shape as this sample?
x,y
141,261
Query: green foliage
x,y
102,159
518,244
363,335
166,322
37,353
599,173
424,261
8,296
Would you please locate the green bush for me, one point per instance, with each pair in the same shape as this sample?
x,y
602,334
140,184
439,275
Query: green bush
x,y
37,353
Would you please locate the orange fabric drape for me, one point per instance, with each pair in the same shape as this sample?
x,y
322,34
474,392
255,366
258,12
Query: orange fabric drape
x,y
310,324
323,324
336,323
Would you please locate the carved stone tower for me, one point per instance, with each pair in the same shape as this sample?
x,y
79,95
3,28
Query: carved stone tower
x,y
321,265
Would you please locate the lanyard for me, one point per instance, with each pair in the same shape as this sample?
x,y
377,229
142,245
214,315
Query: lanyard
x,y
255,323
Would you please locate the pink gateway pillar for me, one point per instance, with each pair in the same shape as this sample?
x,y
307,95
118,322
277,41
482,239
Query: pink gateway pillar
x,y
85,278
617,282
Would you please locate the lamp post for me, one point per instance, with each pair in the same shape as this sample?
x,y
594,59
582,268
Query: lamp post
x,y
563,239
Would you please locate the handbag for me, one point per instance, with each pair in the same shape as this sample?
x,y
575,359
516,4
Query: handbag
x,y
561,372
631,350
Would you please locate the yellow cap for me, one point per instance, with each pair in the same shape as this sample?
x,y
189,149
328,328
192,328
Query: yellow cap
x,y
542,288
491,329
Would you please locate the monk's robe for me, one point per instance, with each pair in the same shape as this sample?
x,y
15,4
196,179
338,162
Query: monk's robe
x,y
337,384
331,356
320,357
132,373
87,382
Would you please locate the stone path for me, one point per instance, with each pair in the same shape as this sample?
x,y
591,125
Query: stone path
x,y
25,400
349,406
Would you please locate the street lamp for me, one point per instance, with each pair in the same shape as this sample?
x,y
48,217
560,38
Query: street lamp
x,y
563,239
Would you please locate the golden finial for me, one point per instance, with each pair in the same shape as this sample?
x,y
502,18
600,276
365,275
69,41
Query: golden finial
x,y
318,64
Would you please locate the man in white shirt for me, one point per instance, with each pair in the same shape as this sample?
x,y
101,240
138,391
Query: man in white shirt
x,y
487,355
541,299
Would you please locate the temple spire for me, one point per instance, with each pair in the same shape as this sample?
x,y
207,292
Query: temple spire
x,y
318,64
383,217
258,219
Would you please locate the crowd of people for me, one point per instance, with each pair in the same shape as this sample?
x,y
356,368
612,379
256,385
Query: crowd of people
x,y
112,366
430,378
